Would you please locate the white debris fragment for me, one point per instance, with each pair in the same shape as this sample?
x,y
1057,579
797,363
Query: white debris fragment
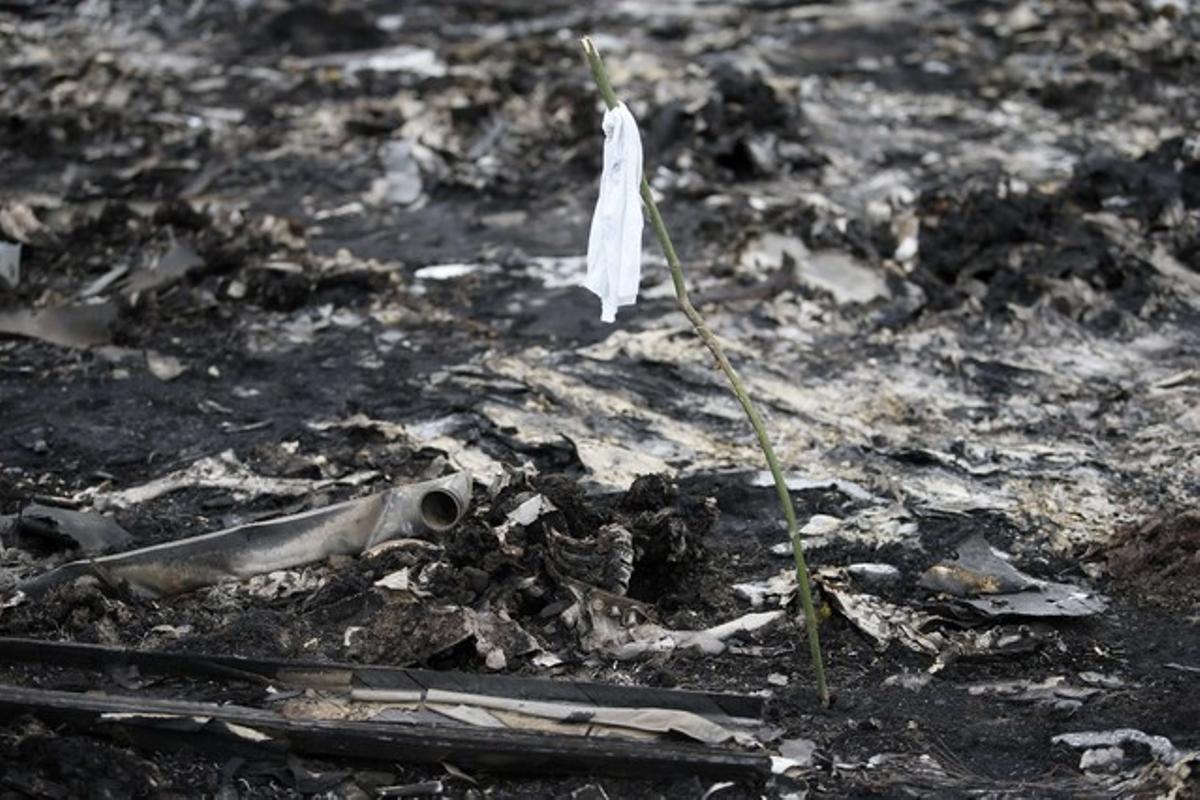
x,y
400,581
873,575
223,471
779,589
414,60
794,754
445,272
1160,746
527,513
531,510
1101,759
10,264
621,627
1054,692
797,482
845,277
546,660
165,368
351,635
19,223
913,681
402,184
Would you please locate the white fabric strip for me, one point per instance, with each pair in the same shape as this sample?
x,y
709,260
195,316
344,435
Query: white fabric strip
x,y
614,256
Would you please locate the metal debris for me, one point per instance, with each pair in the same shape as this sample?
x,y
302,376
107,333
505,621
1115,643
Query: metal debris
x,y
54,528
168,269
921,631
68,326
240,552
356,701
10,264
622,628
164,367
223,471
987,584
1054,692
794,755
1160,746
586,717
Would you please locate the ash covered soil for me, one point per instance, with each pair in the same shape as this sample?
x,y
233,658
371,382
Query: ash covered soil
x,y
953,248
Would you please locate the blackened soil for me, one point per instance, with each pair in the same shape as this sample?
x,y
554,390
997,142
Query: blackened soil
x,y
305,307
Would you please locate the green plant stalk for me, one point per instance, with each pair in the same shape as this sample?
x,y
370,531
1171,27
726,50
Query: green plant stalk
x,y
735,381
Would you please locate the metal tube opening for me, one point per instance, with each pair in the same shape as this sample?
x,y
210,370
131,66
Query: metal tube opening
x,y
439,509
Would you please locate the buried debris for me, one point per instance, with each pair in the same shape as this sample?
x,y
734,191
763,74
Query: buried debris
x,y
246,550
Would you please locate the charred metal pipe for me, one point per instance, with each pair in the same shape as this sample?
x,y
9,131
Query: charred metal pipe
x,y
244,551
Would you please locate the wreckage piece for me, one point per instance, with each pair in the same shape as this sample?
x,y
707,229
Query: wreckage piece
x,y
77,326
622,628
982,582
169,724
731,710
651,720
1160,746
978,570
605,561
920,631
233,554
1055,692
54,528
222,471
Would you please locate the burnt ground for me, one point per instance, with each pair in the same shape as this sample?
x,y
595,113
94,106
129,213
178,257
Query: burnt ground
x,y
954,248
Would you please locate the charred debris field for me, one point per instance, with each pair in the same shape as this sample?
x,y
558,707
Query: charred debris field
x,y
320,475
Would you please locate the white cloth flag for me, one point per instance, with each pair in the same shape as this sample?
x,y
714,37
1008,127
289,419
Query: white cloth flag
x,y
614,256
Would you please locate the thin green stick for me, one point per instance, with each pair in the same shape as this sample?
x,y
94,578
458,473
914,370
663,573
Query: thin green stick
x,y
735,382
